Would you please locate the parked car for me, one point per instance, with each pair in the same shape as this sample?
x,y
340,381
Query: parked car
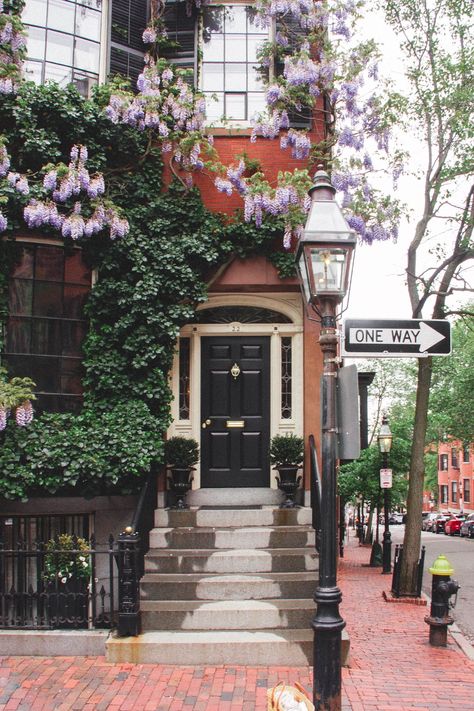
x,y
428,521
453,525
439,522
395,518
467,527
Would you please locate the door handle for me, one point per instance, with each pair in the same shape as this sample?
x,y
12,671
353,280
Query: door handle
x,y
205,424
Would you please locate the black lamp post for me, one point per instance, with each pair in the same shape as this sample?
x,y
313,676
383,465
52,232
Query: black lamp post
x,y
323,259
385,444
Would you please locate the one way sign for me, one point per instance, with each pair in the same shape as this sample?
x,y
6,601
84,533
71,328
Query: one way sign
x,y
394,339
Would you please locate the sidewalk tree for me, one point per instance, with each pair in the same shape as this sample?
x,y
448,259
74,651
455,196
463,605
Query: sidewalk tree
x,y
452,379
438,45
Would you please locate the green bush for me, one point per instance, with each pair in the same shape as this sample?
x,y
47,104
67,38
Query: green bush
x,y
181,452
286,450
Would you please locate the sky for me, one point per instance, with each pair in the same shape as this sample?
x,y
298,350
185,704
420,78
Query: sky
x,y
378,288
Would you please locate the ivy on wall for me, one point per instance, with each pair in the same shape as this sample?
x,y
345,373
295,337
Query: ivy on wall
x,y
149,284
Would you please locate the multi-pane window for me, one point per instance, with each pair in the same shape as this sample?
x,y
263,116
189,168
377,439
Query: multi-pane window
x,y
443,493
454,492
184,376
454,458
230,77
286,378
63,43
46,326
467,491
443,462
465,453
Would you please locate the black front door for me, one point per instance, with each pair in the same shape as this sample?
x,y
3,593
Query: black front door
x,y
235,411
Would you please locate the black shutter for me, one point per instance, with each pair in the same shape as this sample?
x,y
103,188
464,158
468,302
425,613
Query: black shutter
x,y
128,21
181,28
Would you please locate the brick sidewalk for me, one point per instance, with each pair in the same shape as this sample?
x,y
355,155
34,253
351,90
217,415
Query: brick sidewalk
x,y
392,667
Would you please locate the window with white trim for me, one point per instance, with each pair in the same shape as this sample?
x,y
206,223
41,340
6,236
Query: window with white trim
x,y
230,77
63,43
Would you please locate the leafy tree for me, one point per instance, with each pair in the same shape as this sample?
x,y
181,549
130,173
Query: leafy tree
x,y
453,381
437,42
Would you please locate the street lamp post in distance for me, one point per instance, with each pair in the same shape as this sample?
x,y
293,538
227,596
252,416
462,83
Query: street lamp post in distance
x,y
324,261
385,438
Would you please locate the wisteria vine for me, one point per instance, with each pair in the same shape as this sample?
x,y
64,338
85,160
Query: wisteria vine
x,y
319,62
12,46
312,62
69,200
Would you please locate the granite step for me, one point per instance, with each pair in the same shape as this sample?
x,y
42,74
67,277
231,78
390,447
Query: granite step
x,y
231,561
245,537
245,647
228,518
207,586
226,614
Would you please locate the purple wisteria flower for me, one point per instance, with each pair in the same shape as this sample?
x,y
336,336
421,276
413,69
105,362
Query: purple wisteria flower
x,y
3,222
4,414
50,180
6,33
4,161
119,227
357,223
368,165
24,414
149,35
7,86
274,93
223,186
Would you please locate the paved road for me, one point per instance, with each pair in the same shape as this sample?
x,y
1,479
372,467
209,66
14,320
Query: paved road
x,y
460,553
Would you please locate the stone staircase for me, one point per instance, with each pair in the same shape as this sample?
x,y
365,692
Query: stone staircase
x,y
226,586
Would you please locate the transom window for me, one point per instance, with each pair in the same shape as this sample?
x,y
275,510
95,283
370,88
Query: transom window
x,y
230,77
63,43
46,325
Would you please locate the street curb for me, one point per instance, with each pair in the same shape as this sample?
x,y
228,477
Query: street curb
x,y
463,643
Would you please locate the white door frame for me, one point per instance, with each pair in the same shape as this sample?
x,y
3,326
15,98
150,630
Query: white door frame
x,y
287,304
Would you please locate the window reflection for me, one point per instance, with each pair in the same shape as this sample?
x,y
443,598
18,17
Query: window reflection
x,y
45,330
230,45
72,41
61,16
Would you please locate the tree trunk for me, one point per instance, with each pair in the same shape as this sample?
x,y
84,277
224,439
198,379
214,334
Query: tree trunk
x,y
412,539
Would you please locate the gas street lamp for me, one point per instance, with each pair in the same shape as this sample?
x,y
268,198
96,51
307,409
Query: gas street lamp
x,y
323,259
385,444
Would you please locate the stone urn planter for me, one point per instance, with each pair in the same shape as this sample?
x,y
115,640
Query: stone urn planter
x,y
286,454
181,454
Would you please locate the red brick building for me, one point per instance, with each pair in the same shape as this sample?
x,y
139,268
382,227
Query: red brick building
x,y
455,477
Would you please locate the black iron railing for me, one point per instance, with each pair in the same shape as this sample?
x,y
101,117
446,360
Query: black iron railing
x,y
397,567
44,588
315,491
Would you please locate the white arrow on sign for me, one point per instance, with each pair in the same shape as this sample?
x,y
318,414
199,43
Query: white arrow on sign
x,y
425,336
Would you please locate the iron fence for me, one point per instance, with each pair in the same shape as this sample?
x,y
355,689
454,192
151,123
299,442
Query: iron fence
x,y
46,586
397,567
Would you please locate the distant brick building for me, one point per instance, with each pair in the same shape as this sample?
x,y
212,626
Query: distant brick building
x,y
455,477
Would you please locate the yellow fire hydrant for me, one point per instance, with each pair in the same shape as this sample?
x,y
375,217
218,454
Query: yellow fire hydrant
x,y
442,588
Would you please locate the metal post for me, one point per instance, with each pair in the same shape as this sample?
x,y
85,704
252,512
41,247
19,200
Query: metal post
x,y
327,623
387,540
128,585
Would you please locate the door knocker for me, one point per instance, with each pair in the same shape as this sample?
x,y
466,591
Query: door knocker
x,y
235,371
